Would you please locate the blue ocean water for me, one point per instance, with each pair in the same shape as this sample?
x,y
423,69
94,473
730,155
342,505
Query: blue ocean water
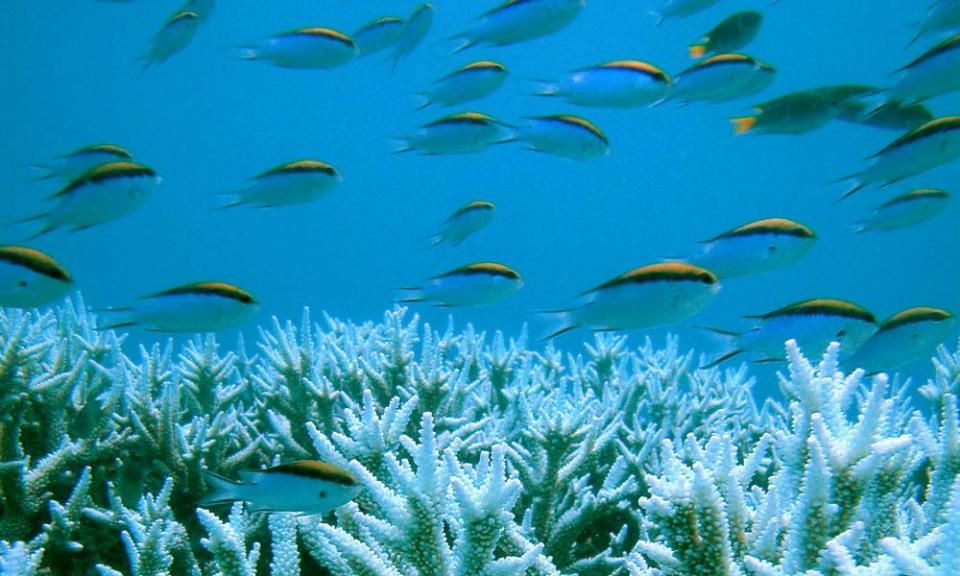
x,y
674,175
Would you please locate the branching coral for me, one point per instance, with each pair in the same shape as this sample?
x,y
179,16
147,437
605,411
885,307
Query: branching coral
x,y
475,457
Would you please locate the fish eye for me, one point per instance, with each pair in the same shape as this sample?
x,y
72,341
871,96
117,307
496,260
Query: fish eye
x,y
22,283
323,494
772,248
841,333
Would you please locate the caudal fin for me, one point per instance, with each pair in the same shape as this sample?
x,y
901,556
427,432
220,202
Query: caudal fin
x,y
729,338
743,124
411,294
546,88
244,53
561,323
697,50
222,489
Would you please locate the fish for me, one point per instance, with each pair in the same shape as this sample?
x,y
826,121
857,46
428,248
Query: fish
x,y
755,247
296,182
654,295
730,35
465,221
909,335
680,9
305,486
175,35
473,81
463,133
195,307
305,48
29,278
924,148
378,35
722,77
519,21
74,164
794,113
565,135
476,284
813,323
942,16
416,29
934,73
892,114
617,84
102,194
905,210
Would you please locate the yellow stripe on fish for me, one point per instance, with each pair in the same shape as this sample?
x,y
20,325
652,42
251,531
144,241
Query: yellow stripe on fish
x,y
112,149
491,268
110,171
949,44
660,272
919,194
730,59
769,226
181,16
35,261
301,166
482,65
324,33
475,205
938,126
821,307
317,470
577,121
639,66
465,118
914,315
210,289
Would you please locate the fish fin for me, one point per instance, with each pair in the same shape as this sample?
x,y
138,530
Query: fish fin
x,y
410,294
546,88
658,15
229,205
244,53
858,186
768,360
464,44
43,231
48,175
722,332
561,320
222,489
423,101
721,359
859,228
743,124
33,218
697,50
115,325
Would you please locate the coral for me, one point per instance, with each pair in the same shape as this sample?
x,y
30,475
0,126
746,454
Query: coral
x,y
475,455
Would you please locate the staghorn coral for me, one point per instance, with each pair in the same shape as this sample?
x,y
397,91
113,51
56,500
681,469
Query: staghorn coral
x,y
476,456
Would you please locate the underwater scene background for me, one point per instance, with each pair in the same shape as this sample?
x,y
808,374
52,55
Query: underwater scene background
x,y
477,449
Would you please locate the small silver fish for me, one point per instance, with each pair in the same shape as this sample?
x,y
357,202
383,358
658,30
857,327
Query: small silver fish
x,y
378,35
307,48
416,30
100,195
473,81
521,20
909,335
196,307
654,295
464,133
295,182
680,9
812,323
475,284
566,136
305,486
933,73
905,210
617,84
923,148
175,35
721,78
29,278
756,247
467,220
73,165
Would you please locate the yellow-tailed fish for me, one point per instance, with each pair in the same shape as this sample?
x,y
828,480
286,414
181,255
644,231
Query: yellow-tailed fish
x,y
471,285
905,210
756,247
463,133
654,295
468,219
723,77
813,323
29,278
925,147
202,8
891,115
912,334
471,82
308,48
305,486
521,20
942,16
794,113
617,84
379,34
295,182
565,135
196,307
102,194
735,32
680,8
416,29
73,165
175,35
933,73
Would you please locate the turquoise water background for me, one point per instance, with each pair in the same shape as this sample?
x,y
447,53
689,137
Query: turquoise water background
x,y
675,175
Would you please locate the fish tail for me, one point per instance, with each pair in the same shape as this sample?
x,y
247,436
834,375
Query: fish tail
x,y
245,53
743,124
658,15
120,324
858,185
697,50
562,323
436,240
423,101
859,228
47,172
463,44
229,205
729,339
721,359
410,294
546,88
222,489
403,148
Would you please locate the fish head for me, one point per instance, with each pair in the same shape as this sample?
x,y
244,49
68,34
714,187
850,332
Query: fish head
x,y
330,495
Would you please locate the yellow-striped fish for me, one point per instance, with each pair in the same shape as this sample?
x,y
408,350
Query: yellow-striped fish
x,y
905,210
521,20
616,84
473,81
309,48
910,335
723,77
654,295
565,135
291,183
378,35
74,164
465,221
680,8
30,278
196,307
933,73
415,31
755,247
464,133
175,35
475,284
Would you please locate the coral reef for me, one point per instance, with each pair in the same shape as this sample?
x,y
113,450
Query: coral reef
x,y
475,457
